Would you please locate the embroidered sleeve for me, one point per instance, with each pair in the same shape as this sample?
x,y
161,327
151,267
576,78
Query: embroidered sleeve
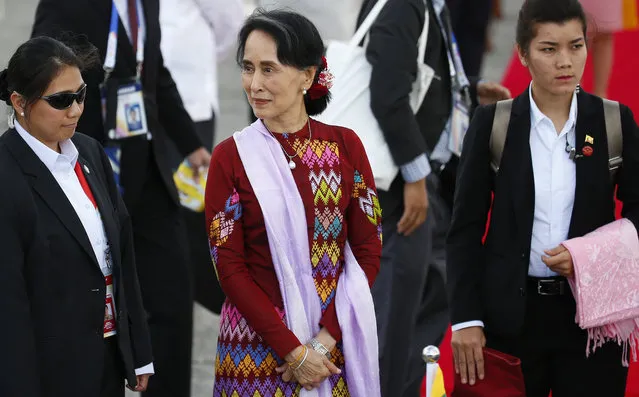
x,y
364,217
222,224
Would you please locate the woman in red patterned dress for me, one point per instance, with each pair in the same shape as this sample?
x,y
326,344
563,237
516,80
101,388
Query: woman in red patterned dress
x,y
285,79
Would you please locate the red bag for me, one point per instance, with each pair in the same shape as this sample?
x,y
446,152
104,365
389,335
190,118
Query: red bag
x,y
503,378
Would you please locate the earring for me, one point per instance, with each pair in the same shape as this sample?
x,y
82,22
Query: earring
x,y
304,91
22,114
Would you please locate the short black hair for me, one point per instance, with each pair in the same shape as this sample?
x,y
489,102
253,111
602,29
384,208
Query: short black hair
x,y
298,41
543,11
37,62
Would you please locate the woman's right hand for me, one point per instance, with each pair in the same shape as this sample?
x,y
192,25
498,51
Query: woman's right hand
x,y
468,352
315,370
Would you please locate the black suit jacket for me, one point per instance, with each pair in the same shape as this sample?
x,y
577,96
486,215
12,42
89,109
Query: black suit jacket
x,y
488,281
392,51
166,115
52,291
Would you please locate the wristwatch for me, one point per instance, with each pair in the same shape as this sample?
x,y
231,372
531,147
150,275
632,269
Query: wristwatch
x,y
320,348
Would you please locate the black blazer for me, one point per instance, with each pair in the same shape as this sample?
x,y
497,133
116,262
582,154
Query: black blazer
x,y
488,281
166,115
52,290
392,51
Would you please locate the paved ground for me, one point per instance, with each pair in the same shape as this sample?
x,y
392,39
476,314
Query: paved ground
x,y
16,17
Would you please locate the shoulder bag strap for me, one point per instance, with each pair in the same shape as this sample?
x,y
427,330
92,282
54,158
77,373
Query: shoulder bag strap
x,y
612,115
423,39
367,23
499,131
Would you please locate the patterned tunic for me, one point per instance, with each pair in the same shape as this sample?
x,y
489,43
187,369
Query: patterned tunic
x,y
336,185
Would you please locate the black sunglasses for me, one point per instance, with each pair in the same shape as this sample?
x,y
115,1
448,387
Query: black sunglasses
x,y
64,100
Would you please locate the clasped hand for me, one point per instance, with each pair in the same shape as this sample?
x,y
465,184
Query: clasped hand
x,y
315,369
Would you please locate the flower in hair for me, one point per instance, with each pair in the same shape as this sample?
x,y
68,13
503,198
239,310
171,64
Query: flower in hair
x,y
324,82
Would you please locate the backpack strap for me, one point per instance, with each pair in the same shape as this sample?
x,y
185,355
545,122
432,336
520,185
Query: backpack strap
x,y
612,115
499,131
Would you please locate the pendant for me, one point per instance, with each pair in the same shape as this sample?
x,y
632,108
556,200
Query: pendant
x,y
292,165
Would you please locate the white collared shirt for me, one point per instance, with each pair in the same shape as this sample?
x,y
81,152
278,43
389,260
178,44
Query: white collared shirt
x,y
61,165
555,182
554,175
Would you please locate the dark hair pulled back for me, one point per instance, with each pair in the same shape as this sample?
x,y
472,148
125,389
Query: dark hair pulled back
x,y
37,62
298,41
534,12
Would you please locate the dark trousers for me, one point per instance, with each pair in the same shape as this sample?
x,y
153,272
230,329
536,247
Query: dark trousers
x,y
165,280
410,303
470,23
113,372
552,349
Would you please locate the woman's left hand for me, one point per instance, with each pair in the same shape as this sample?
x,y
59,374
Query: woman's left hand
x,y
559,261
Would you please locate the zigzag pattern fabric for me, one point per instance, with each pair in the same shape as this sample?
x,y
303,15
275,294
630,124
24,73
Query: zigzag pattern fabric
x,y
339,206
244,364
368,202
322,160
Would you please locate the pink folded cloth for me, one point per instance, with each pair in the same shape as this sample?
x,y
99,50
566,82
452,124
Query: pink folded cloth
x,y
606,285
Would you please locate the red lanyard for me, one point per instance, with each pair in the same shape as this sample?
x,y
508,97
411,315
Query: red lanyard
x,y
84,184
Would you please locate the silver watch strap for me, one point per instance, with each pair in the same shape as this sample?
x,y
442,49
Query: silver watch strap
x,y
320,348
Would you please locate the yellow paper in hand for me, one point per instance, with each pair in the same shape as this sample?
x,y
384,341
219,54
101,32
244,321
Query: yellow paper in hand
x,y
191,193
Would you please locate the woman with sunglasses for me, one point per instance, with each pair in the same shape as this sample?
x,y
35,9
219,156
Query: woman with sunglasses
x,y
73,323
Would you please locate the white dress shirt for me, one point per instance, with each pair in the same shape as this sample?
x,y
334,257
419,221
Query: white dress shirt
x,y
554,178
61,165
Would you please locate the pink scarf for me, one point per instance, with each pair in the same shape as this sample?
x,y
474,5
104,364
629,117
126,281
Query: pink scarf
x,y
274,186
606,285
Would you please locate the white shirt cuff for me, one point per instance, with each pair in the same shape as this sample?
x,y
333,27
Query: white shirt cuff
x,y
467,324
146,370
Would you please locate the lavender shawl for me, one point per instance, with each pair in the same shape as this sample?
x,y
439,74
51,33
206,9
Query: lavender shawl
x,y
284,216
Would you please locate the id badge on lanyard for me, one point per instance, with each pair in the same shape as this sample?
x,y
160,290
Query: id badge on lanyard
x,y
123,109
459,122
460,117
110,328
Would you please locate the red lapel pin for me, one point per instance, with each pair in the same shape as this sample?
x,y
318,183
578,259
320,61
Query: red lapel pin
x,y
587,151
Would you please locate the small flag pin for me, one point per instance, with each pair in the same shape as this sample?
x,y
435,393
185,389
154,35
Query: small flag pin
x,y
590,140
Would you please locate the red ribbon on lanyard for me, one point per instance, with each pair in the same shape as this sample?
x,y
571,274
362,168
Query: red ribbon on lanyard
x,y
84,184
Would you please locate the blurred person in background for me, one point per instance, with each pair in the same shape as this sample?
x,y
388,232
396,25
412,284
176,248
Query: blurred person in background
x,y
133,73
335,19
410,297
471,20
606,18
196,36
